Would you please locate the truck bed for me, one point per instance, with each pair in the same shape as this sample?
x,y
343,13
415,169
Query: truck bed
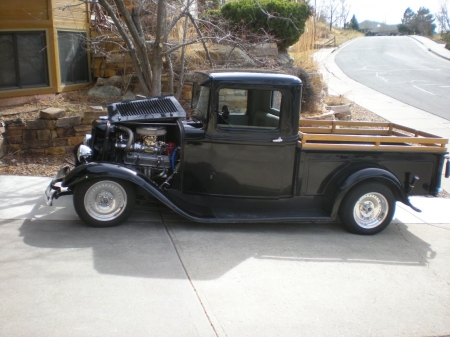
x,y
366,136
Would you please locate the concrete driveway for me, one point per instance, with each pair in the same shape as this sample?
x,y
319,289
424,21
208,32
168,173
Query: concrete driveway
x,y
159,275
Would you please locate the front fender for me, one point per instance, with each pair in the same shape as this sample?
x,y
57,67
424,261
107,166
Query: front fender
x,y
339,187
114,171
101,170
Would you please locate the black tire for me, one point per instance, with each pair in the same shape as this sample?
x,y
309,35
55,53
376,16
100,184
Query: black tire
x,y
104,202
367,208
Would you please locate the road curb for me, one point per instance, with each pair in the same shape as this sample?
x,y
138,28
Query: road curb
x,y
429,49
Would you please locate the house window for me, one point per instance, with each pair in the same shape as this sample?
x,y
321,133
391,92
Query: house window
x,y
73,60
23,60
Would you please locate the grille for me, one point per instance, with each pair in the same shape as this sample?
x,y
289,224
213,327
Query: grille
x,y
142,109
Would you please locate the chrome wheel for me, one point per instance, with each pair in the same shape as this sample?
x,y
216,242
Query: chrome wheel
x,y
370,210
105,200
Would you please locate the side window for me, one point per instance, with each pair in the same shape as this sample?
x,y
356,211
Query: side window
x,y
275,102
235,100
250,109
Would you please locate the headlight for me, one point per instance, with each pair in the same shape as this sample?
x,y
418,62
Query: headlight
x,y
84,154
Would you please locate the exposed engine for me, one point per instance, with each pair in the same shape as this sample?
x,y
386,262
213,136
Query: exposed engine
x,y
146,149
142,147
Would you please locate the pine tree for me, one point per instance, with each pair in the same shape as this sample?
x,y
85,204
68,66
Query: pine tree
x,y
353,24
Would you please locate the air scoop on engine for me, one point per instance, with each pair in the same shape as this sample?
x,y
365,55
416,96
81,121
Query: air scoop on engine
x,y
155,108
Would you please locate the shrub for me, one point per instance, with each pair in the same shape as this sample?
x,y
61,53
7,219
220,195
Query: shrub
x,y
310,98
286,20
446,38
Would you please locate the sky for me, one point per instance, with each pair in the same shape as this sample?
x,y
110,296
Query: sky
x,y
388,11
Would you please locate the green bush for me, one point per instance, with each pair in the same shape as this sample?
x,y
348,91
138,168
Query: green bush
x,y
446,38
286,20
211,15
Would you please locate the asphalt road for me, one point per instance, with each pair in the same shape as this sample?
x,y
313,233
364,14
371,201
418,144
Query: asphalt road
x,y
401,68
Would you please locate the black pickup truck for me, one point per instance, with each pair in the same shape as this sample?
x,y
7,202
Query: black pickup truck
x,y
244,157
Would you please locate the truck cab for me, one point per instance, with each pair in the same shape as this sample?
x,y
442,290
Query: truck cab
x,y
250,135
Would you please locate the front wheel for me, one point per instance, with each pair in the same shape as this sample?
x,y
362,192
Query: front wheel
x,y
104,202
367,209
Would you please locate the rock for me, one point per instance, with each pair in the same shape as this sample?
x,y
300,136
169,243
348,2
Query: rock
x,y
119,80
340,111
75,140
96,108
82,128
15,122
100,81
128,96
265,50
68,121
39,124
107,91
13,132
285,59
115,80
60,142
13,139
89,116
52,113
44,134
29,134
65,132
222,54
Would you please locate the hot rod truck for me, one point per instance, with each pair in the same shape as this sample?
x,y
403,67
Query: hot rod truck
x,y
245,157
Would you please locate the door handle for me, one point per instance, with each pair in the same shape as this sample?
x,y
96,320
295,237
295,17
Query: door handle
x,y
278,140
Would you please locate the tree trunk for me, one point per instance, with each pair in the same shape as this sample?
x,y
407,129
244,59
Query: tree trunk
x,y
158,48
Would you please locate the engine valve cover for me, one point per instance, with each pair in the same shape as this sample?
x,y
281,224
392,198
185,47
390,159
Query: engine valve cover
x,y
146,159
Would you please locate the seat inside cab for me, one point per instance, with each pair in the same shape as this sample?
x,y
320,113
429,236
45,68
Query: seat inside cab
x,y
250,108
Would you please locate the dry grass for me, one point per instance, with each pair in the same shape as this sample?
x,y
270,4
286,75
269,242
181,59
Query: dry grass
x,y
335,100
316,34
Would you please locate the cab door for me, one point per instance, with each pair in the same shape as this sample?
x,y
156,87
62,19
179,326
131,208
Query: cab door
x,y
251,156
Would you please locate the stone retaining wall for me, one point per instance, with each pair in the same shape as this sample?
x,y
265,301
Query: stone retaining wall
x,y
49,135
53,133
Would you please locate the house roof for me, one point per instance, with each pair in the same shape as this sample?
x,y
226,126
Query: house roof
x,y
377,27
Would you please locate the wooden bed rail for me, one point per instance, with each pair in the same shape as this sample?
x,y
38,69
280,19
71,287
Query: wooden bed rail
x,y
348,135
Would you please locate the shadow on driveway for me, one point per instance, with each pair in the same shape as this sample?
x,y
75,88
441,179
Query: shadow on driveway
x,y
144,249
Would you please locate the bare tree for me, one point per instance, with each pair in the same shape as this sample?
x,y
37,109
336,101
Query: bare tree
x,y
443,17
332,9
344,11
148,30
148,44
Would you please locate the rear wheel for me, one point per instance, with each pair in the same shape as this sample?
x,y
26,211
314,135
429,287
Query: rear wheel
x,y
104,202
367,209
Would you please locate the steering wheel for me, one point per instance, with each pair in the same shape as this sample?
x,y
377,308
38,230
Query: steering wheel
x,y
224,115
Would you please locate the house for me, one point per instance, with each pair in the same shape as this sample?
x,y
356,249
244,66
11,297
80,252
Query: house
x,y
42,46
372,28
